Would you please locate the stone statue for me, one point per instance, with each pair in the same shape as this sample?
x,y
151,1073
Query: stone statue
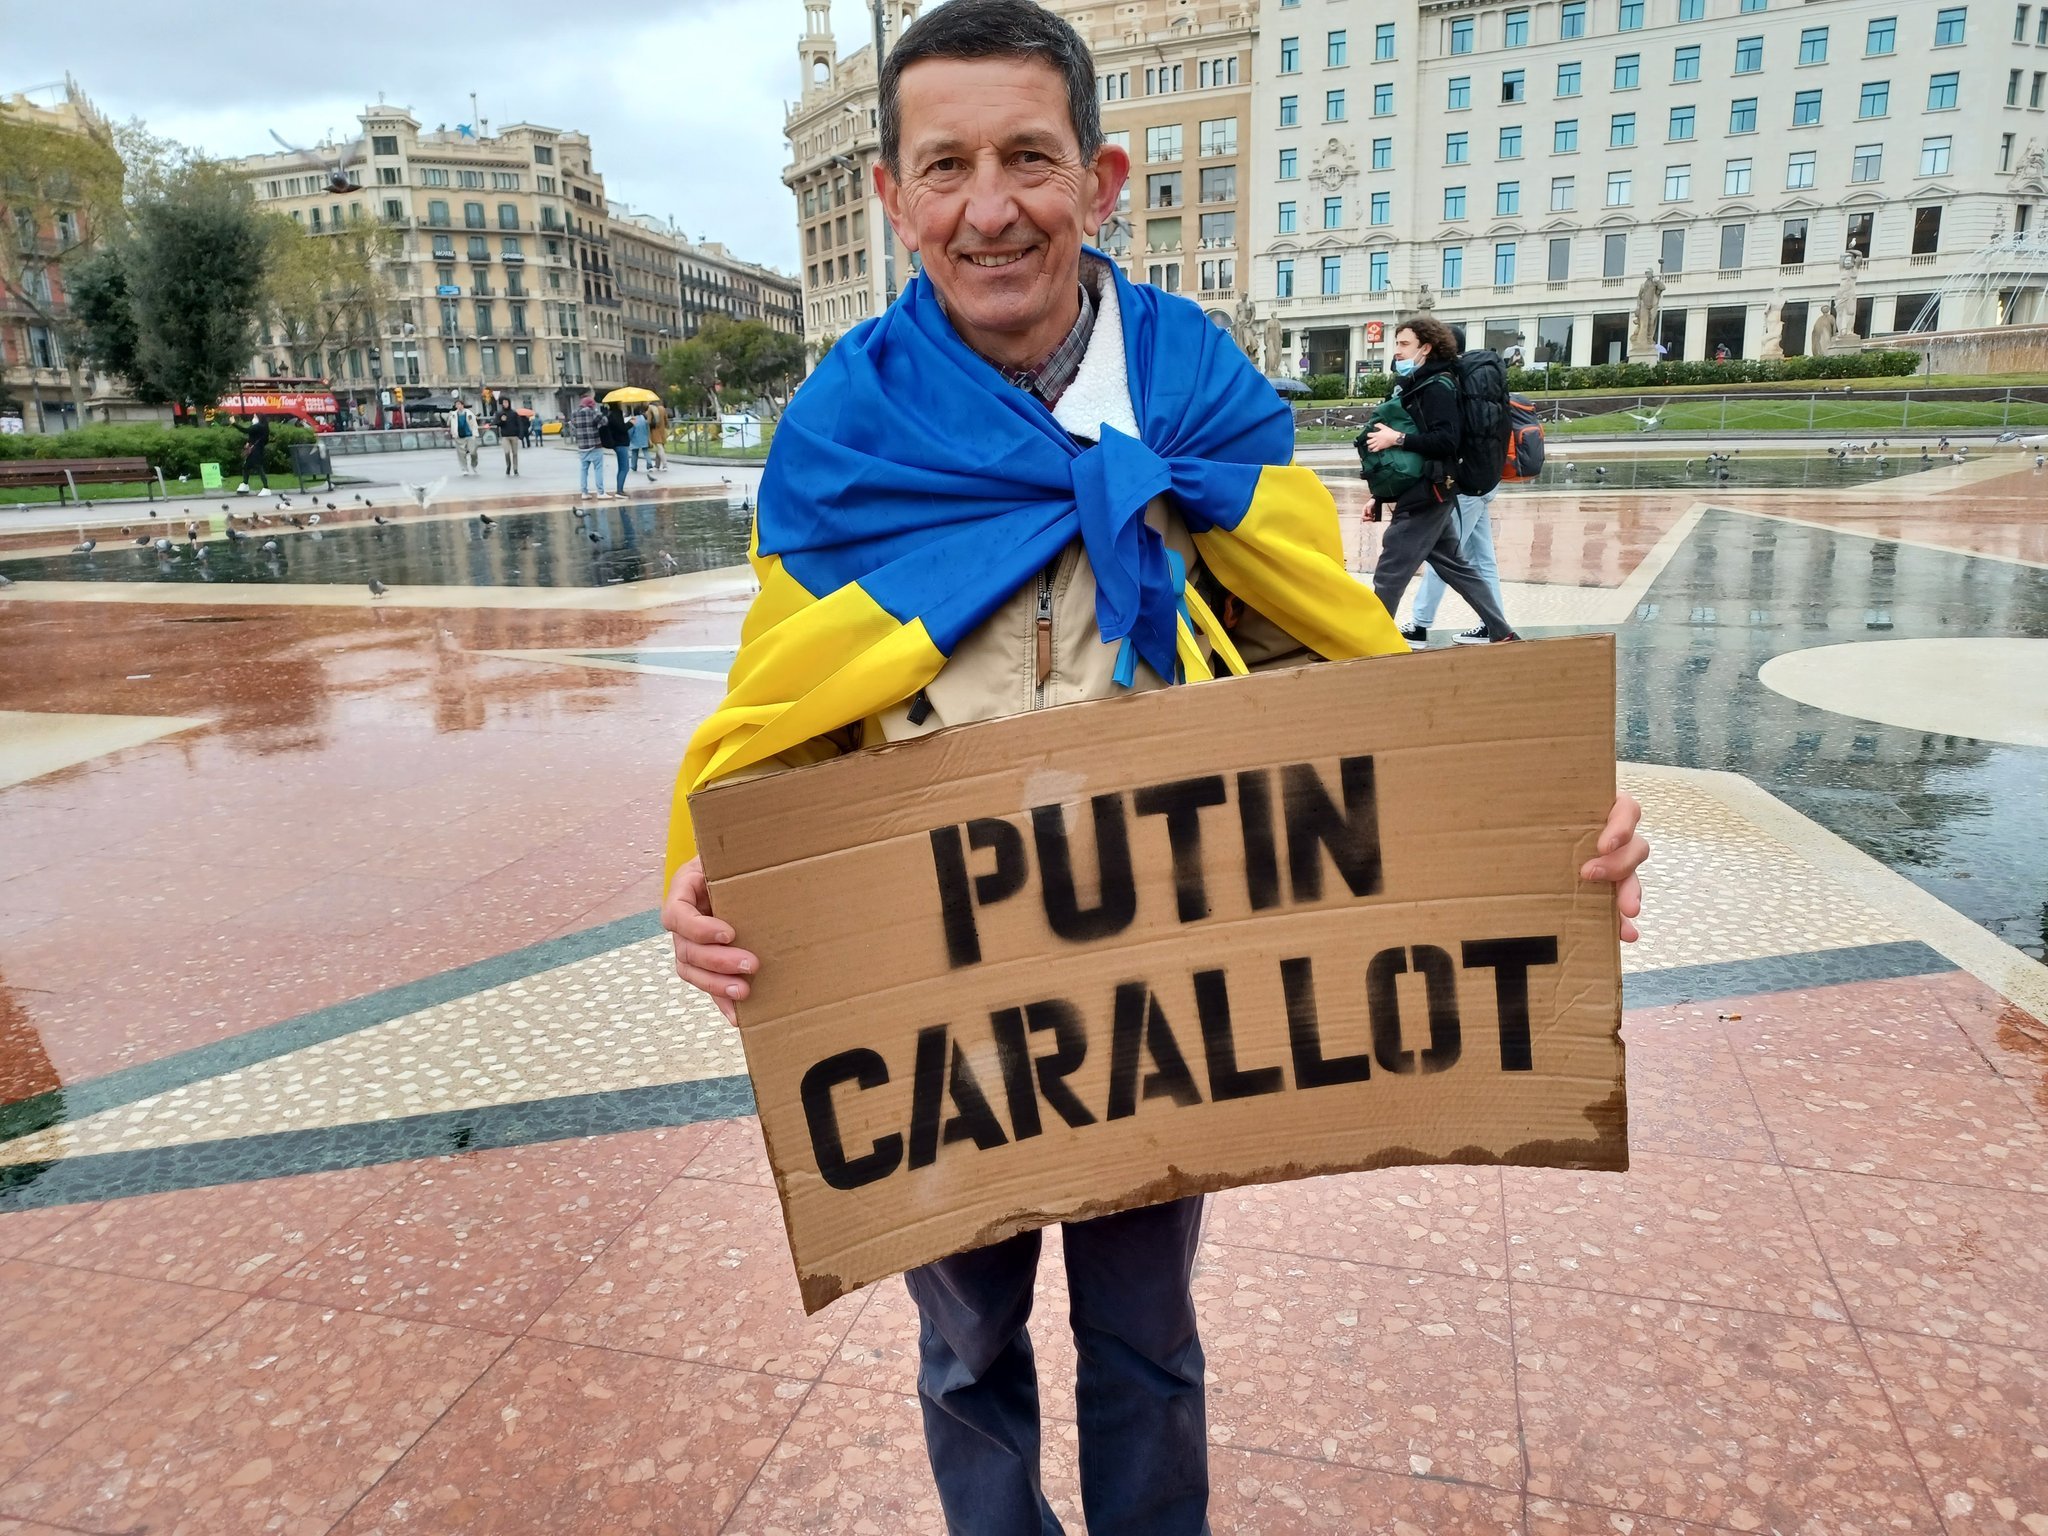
x,y
1774,334
1649,298
1845,294
1822,341
1244,326
1426,299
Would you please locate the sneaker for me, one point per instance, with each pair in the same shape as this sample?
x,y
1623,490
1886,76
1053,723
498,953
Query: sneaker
x,y
1470,637
1415,634
242,489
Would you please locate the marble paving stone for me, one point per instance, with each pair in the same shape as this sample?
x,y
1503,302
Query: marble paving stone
x,y
852,1461
490,1239
1951,1260
704,1274
1686,1095
71,1343
1444,1218
278,1420
1254,1493
1912,1125
36,742
36,1528
23,1230
168,896
566,1440
1399,1370
2013,1041
1976,1418
1900,1025
1796,1436
1725,1233
735,1154
233,1237
1554,1517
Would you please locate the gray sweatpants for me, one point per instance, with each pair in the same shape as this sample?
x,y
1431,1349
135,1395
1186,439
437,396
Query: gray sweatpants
x,y
1429,533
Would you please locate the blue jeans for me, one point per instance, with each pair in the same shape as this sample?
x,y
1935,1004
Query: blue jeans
x,y
1144,1428
1475,542
588,459
618,453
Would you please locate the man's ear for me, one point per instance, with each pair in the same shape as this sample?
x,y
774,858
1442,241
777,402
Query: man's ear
x,y
890,191
1112,168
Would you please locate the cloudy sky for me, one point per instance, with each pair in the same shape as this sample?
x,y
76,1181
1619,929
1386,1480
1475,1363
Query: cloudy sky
x,y
683,101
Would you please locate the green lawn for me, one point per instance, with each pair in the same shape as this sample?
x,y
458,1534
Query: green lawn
x,y
20,495
1819,415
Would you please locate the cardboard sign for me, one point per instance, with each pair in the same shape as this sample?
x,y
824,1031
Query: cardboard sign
x,y
1094,957
209,477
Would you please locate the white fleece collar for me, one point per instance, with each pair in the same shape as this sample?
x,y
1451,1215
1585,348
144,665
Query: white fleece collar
x,y
1101,392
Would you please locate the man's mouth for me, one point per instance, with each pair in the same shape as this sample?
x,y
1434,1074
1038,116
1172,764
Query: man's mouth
x,y
995,258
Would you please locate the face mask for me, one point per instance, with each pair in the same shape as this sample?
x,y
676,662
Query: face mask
x,y
1403,366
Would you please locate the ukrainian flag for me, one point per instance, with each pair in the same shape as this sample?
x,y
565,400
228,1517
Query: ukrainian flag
x,y
911,490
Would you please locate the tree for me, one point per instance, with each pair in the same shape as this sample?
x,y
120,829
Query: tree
x,y
755,361
322,288
690,370
105,320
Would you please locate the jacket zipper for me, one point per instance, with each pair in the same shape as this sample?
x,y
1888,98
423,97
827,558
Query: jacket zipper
x,y
1044,631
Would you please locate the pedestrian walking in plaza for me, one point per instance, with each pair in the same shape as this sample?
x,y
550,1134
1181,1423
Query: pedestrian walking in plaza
x,y
946,498
639,439
511,434
255,454
1421,528
657,433
1472,524
586,431
617,437
464,433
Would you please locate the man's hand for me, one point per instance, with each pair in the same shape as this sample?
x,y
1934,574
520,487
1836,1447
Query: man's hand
x,y
705,957
1381,438
1622,850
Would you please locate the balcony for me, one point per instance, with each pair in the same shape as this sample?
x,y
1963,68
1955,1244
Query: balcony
x,y
1926,259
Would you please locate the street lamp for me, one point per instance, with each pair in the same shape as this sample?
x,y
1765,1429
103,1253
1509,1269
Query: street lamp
x,y
377,381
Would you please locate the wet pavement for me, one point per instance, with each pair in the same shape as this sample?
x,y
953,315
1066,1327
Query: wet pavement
x,y
363,1169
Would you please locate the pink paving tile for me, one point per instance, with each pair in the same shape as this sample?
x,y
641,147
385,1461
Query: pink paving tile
x,y
351,903
1711,1415
852,1461
1698,1229
1686,1095
278,1420
490,1239
1915,1125
736,1154
23,1230
1898,1025
704,1274
2012,1039
1444,1218
162,895
1554,1517
1951,1260
1976,1418
232,1237
566,1440
71,1343
1252,1493
1399,1370
33,1528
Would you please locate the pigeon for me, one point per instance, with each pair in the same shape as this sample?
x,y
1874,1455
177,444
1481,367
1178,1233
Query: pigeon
x,y
359,497
2040,459
425,494
668,562
183,478
192,535
269,546
377,588
380,519
87,547
284,501
312,519
200,553
592,536
1600,471
486,519
126,529
1570,468
330,506
142,539
5,582
296,522
725,479
163,546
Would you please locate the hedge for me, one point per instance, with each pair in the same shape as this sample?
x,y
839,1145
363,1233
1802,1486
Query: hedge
x,y
174,450
1647,376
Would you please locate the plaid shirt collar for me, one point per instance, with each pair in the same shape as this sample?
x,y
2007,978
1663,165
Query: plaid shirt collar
x,y
1051,378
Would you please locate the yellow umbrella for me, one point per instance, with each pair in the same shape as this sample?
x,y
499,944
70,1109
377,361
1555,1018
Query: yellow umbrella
x,y
632,394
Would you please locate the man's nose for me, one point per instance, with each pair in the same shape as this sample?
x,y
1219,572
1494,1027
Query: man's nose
x,y
991,206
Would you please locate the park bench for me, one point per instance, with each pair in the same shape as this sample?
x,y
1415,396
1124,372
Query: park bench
x,y
72,473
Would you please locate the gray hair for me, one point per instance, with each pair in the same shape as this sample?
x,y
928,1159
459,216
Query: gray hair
x,y
993,29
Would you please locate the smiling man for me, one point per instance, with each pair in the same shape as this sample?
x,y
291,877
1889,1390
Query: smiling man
x,y
1029,483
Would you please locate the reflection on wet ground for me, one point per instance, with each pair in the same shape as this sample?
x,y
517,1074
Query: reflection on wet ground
x,y
599,544
1587,468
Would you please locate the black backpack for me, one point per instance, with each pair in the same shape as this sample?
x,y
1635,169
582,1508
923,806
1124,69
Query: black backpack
x,y
1483,420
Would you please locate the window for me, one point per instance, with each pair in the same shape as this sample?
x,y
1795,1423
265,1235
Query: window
x,y
1461,36
1621,130
1631,15
1219,229
1333,274
1926,231
1868,163
1882,36
2019,25
1219,136
1934,156
1685,63
1628,71
1333,106
437,213
1677,183
2041,30
1290,55
1290,111
1383,208
1457,148
1454,204
1799,171
2005,151
1571,21
1620,189
1335,48
1742,115
1735,179
1333,213
1684,123
1504,264
1383,41
1515,29
470,178
508,215
473,216
1285,224
1163,143
1513,86
1860,225
1941,91
1692,10
1453,275
1567,79
1792,244
1561,194
388,175
1671,250
2034,94
433,178
542,155
1948,27
1289,160
1613,255
1460,93
384,144
1162,190
1813,45
1564,136
1754,5
1507,198
1805,109
1511,143
2012,86
1383,154
1749,55
444,250
1283,279
1376,272
1731,246
1560,268
479,250
1876,99
1382,100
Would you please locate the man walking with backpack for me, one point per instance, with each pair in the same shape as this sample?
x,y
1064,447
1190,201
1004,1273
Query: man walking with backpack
x,y
1453,436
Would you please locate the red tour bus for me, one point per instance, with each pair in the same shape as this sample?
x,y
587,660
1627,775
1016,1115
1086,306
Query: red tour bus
x,y
309,402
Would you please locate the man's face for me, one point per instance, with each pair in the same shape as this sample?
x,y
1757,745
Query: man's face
x,y
996,199
1406,346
